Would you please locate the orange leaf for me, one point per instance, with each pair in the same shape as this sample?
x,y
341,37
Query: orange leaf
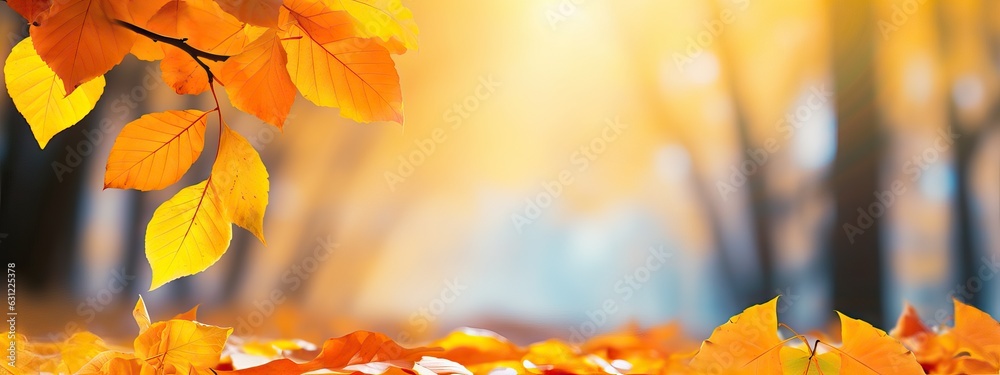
x,y
182,73
154,151
909,324
79,40
361,348
254,12
187,19
191,315
100,363
332,68
141,11
924,343
257,80
977,332
869,350
471,347
554,356
30,9
127,366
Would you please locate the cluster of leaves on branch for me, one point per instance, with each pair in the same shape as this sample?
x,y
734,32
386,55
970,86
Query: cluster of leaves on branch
x,y
749,343
336,53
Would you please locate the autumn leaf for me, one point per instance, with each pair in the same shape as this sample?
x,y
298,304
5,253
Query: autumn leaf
x,y
353,352
30,9
869,350
108,361
470,347
909,324
80,41
747,344
187,234
187,18
181,344
182,72
241,180
275,348
977,332
332,68
257,80
255,12
385,19
39,94
141,315
79,349
155,151
554,356
191,314
128,366
141,12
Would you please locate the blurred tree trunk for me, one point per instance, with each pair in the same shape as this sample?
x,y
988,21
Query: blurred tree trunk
x,y
39,206
857,258
965,147
757,190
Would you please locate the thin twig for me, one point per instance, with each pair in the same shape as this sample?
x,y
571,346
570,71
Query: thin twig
x,y
195,53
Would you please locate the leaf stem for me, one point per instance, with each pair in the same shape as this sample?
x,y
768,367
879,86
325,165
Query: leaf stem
x,y
195,53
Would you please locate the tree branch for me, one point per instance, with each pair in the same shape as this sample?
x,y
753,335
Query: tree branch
x,y
195,53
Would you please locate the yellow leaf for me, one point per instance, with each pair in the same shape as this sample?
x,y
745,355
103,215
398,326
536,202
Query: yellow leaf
x,y
187,234
181,344
156,150
254,12
127,366
39,95
798,361
141,315
80,41
384,19
241,180
79,349
257,80
333,69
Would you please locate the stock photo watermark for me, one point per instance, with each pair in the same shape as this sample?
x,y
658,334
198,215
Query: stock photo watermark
x,y
900,15
818,97
581,160
95,304
290,281
563,11
455,116
713,29
625,288
419,321
914,168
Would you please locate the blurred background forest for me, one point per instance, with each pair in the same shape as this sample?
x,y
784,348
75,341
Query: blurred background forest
x,y
845,154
